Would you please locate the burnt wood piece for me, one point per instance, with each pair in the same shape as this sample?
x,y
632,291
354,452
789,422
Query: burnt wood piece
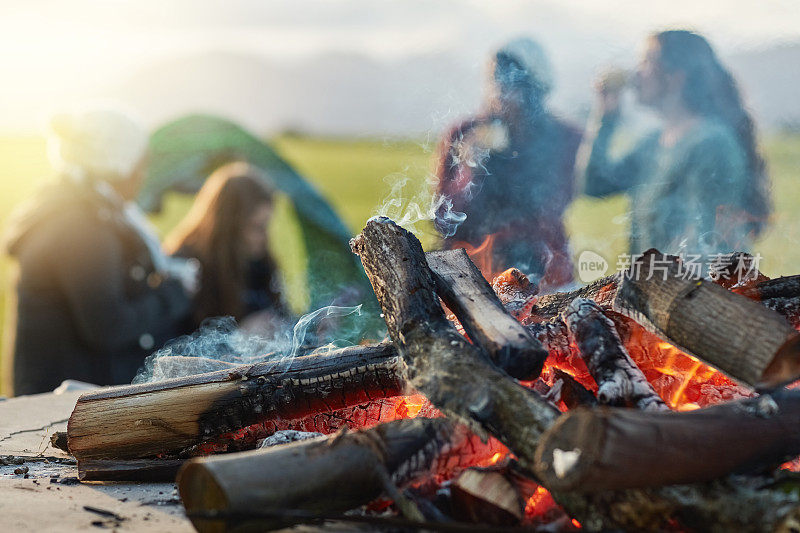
x,y
602,291
455,375
735,271
321,475
609,449
140,421
466,292
737,503
514,289
568,390
494,495
150,470
620,382
736,335
783,287
787,307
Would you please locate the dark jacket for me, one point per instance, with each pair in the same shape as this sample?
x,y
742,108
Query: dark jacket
x,y
89,303
517,193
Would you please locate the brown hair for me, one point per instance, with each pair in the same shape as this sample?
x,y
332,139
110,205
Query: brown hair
x,y
212,232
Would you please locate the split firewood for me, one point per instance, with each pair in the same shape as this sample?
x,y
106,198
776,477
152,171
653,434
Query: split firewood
x,y
452,373
466,292
607,449
736,335
167,417
620,382
494,495
322,475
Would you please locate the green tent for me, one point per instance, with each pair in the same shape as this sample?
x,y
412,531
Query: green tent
x,y
186,151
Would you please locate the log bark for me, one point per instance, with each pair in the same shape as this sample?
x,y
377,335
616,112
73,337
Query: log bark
x,y
610,449
466,292
620,382
164,418
456,376
322,475
738,336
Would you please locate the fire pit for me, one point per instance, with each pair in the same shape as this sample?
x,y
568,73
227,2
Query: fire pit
x,y
648,400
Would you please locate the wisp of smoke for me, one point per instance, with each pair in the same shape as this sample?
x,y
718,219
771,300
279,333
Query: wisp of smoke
x,y
220,343
408,210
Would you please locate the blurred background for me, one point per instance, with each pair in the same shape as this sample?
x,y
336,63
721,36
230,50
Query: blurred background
x,y
356,93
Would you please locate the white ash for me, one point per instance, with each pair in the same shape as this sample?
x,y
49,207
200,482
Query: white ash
x,y
286,436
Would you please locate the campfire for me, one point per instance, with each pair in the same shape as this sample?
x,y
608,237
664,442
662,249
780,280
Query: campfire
x,y
647,400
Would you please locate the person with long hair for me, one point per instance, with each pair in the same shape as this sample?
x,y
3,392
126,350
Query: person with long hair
x,y
510,170
698,185
226,232
95,294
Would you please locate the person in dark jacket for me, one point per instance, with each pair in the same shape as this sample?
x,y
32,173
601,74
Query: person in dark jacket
x,y
94,294
698,185
226,232
510,170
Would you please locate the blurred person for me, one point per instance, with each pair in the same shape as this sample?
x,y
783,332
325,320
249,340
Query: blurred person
x,y
95,293
226,232
698,185
510,170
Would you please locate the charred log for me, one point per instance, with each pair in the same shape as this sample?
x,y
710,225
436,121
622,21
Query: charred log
x,y
139,421
608,449
321,475
736,335
620,382
466,292
150,470
601,291
453,374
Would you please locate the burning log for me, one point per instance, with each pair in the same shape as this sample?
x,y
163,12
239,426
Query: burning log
x,y
609,449
165,418
320,475
466,292
619,380
452,373
601,291
783,287
738,336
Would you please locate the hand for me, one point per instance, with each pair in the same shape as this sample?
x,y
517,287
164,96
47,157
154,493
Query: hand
x,y
609,86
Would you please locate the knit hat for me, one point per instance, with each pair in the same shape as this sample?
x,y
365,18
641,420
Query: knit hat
x,y
100,142
531,56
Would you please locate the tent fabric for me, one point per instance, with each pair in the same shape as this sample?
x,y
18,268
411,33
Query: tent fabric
x,y
184,152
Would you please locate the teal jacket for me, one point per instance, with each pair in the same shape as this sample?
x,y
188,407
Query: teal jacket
x,y
688,198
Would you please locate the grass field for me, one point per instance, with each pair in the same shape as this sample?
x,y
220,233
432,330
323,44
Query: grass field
x,y
357,176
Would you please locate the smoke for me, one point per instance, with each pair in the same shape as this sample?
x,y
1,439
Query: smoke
x,y
408,209
220,343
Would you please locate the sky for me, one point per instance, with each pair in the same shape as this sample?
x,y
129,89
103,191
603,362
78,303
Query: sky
x,y
57,52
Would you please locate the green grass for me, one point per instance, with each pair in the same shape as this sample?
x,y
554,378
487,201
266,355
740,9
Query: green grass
x,y
357,176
